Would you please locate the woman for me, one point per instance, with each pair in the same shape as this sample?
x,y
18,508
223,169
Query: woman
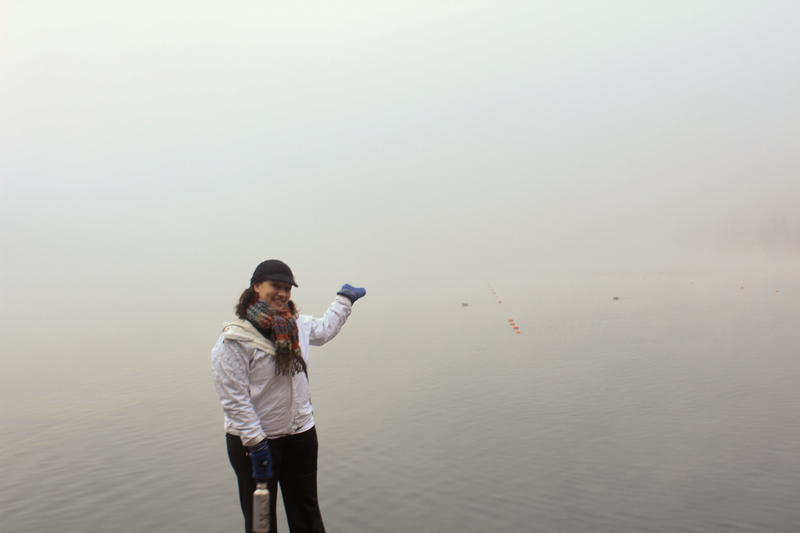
x,y
260,367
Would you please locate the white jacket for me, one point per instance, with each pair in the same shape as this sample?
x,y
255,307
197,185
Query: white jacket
x,y
256,402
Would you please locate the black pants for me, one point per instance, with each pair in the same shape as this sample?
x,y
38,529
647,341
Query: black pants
x,y
294,466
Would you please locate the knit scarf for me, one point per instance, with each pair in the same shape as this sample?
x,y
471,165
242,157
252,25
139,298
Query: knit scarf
x,y
288,357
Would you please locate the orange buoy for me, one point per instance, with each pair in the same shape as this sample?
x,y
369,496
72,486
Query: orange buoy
x,y
499,301
517,332
516,327
511,320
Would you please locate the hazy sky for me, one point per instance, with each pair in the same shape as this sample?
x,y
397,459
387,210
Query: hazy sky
x,y
159,150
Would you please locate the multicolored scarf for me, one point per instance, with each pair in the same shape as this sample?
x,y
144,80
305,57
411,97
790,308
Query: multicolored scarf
x,y
283,325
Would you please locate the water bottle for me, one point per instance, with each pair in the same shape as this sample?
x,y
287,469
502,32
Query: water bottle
x,y
261,508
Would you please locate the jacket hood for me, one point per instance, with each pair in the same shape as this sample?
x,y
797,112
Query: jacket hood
x,y
243,331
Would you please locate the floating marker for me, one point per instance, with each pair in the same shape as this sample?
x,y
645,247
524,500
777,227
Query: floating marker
x,y
516,327
517,332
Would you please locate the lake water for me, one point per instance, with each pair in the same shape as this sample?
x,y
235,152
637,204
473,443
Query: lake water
x,y
674,408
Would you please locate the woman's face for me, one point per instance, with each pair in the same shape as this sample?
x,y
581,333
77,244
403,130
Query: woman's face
x,y
275,293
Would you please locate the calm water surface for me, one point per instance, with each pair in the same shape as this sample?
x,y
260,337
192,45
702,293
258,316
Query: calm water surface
x,y
673,408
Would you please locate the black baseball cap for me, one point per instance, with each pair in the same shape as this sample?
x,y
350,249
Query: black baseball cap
x,y
274,270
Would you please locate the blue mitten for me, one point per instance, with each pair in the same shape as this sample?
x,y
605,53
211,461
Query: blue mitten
x,y
352,293
262,461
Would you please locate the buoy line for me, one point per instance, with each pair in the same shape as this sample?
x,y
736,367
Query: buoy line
x,y
511,322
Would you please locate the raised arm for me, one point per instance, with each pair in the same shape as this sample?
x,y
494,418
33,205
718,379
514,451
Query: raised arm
x,y
324,329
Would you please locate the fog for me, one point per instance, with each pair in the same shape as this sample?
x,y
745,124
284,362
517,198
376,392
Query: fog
x,y
154,152
550,154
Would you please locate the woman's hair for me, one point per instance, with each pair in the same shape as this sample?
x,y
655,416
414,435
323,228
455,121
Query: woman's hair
x,y
249,297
